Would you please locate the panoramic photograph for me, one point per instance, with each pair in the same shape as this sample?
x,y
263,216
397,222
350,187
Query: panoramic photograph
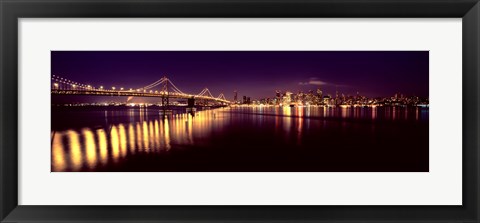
x,y
239,111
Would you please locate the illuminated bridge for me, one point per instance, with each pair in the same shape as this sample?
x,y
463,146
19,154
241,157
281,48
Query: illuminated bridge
x,y
162,88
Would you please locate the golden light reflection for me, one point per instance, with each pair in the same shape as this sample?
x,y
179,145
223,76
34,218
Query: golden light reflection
x,y
102,145
114,143
180,128
151,134
176,125
201,122
90,148
131,138
299,125
157,134
190,128
146,144
139,137
58,155
287,111
75,152
287,120
94,148
141,111
167,135
123,140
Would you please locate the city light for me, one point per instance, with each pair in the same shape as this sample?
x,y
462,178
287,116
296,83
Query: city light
x,y
278,98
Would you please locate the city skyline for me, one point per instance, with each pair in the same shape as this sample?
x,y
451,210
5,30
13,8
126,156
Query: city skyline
x,y
256,74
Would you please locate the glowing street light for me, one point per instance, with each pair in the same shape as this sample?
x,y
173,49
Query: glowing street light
x,y
56,85
121,89
113,88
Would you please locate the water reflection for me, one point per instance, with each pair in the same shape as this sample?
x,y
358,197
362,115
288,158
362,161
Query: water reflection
x,y
91,151
58,155
368,113
75,153
93,146
123,140
88,149
102,145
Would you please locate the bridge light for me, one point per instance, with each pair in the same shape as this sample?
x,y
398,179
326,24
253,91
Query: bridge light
x,y
113,88
73,85
151,91
89,86
56,85
121,89
131,89
156,92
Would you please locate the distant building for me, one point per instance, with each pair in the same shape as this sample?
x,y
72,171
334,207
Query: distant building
x,y
327,99
278,94
287,98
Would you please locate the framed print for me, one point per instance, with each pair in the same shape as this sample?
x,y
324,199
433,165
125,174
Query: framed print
x,y
239,111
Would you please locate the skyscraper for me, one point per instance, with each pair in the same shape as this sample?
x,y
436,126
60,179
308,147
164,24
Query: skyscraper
x,y
235,97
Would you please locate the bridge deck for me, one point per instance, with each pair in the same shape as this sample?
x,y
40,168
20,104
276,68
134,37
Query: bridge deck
x,y
132,93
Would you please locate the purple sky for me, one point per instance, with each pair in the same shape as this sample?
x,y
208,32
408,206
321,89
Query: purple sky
x,y
252,73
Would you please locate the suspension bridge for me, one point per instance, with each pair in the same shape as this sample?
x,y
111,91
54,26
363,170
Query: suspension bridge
x,y
162,88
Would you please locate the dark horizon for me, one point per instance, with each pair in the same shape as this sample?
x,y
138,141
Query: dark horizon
x,y
256,74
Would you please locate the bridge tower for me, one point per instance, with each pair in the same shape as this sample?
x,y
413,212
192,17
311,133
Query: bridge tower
x,y
165,95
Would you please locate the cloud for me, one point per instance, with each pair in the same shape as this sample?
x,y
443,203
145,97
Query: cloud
x,y
313,81
317,82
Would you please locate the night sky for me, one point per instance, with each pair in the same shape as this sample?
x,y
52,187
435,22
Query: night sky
x,y
256,74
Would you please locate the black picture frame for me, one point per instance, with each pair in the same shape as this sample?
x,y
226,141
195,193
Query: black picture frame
x,y
12,10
